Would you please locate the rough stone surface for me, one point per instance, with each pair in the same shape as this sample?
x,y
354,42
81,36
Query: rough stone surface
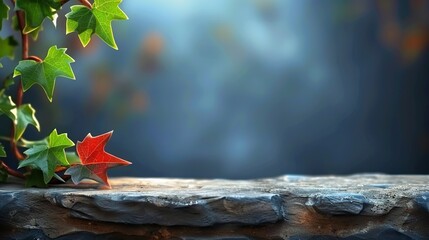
x,y
337,203
423,201
287,207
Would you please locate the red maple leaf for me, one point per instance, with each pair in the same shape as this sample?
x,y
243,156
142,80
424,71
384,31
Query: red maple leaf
x,y
93,156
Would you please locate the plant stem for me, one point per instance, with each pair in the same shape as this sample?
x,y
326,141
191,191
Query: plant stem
x,y
5,138
19,144
63,2
10,171
19,92
34,58
24,36
59,169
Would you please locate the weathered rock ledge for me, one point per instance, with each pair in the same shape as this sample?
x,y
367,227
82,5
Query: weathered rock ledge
x,y
287,207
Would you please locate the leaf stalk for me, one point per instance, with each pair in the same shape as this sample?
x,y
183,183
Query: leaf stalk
x,y
86,3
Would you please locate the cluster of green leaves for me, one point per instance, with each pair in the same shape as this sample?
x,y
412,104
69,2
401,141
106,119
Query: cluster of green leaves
x,y
44,157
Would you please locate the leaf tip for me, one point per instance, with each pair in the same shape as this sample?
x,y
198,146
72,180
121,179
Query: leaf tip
x,y
21,165
16,73
105,186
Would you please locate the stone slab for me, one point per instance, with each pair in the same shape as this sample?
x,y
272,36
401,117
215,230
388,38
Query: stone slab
x,y
289,207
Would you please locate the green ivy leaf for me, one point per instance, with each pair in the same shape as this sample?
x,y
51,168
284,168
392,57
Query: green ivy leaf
x,y
4,12
7,107
25,116
3,172
56,64
97,20
36,11
73,158
7,47
35,179
2,151
47,156
81,172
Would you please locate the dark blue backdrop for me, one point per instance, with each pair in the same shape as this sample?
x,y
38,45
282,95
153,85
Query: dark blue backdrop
x,y
244,89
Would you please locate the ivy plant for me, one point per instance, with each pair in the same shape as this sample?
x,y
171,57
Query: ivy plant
x,y
51,159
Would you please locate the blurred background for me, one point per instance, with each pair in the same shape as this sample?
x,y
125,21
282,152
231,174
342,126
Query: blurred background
x,y
250,88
